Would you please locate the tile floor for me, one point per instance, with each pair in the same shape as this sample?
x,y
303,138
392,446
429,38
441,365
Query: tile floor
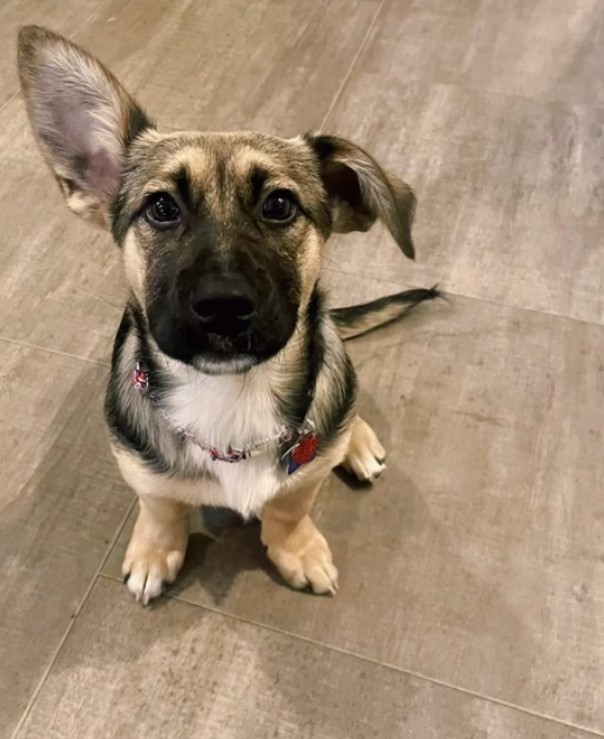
x,y
472,576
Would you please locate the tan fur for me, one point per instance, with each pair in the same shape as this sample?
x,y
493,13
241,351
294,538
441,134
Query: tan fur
x,y
309,266
157,546
134,266
85,206
199,164
365,456
247,158
294,544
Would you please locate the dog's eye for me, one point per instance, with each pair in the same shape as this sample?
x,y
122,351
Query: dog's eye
x,y
161,211
281,206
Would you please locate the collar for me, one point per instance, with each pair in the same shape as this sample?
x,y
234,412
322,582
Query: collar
x,y
300,443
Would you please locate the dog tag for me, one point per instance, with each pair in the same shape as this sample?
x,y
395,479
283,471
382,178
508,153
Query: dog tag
x,y
303,451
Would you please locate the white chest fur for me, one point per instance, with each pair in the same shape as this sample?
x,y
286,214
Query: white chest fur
x,y
229,410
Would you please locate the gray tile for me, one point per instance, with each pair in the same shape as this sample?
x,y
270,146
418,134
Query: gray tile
x,y
478,559
510,192
61,279
181,671
550,49
61,502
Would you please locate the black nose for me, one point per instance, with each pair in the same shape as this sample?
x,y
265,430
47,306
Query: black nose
x,y
223,305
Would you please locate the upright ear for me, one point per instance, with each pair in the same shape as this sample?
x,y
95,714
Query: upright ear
x,y
81,116
361,192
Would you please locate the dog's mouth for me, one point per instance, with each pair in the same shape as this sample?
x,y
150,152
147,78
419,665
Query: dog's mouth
x,y
214,365
227,354
215,353
228,345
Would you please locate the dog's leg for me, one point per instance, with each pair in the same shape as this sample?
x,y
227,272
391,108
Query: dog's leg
x,y
365,456
157,547
294,545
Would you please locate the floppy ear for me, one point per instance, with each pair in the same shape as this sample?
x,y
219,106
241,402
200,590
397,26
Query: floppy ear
x,y
81,116
361,192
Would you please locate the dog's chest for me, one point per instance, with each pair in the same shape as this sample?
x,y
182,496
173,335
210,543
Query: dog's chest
x,y
229,412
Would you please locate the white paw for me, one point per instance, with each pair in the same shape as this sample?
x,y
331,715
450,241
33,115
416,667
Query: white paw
x,y
364,465
312,567
147,570
365,457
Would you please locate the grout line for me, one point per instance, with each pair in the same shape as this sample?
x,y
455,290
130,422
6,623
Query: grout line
x,y
27,344
476,298
68,630
9,100
361,48
370,660
96,12
431,83
525,308
37,347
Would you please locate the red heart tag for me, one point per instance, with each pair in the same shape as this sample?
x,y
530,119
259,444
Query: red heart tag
x,y
303,452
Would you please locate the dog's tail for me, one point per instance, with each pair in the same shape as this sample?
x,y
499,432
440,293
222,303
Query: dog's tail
x,y
360,319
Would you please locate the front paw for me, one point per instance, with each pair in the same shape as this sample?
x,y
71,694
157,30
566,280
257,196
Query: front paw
x,y
146,569
366,456
306,562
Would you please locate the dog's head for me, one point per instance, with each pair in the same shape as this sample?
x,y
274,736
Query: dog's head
x,y
222,233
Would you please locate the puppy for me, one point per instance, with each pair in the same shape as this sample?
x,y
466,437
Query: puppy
x,y
230,385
